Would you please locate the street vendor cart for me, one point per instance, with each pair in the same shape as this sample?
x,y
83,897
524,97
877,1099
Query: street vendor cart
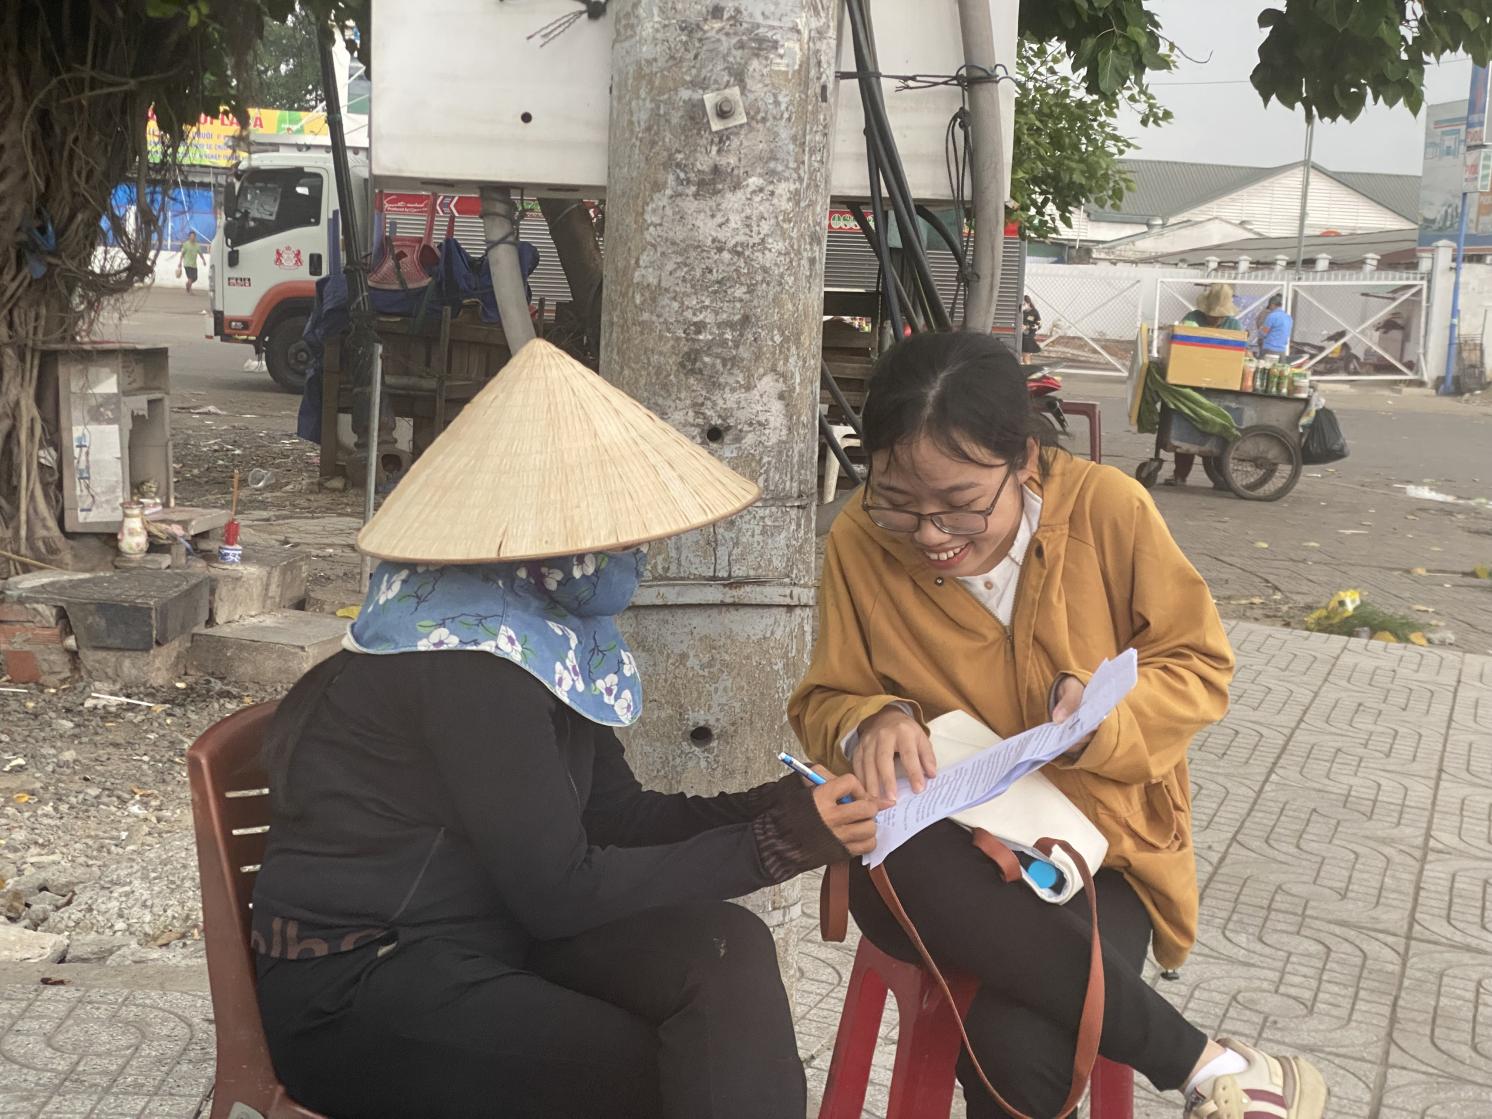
x,y
1262,464
1258,456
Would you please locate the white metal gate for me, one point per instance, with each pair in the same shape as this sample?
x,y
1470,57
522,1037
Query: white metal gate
x,y
1089,320
1381,320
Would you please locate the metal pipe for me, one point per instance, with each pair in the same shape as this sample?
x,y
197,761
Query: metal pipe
x,y
986,153
375,405
500,225
1305,193
836,394
357,288
1448,379
826,431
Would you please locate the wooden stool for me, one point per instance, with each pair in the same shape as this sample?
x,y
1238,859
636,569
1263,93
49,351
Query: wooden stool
x,y
927,1045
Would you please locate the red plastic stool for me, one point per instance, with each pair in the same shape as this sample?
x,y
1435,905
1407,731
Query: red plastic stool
x,y
1088,410
927,1046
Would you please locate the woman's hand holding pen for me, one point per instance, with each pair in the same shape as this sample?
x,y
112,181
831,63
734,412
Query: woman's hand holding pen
x,y
886,737
853,824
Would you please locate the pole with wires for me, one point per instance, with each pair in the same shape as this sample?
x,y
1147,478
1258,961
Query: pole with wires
x,y
987,150
1305,195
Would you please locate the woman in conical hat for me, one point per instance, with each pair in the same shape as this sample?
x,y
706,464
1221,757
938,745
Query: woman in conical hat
x,y
468,905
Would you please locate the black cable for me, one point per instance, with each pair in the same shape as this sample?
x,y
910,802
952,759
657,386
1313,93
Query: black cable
x,y
893,171
836,394
827,434
956,163
880,138
944,234
896,296
898,304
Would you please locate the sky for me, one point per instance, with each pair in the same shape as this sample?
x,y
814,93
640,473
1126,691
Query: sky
x,y
1219,117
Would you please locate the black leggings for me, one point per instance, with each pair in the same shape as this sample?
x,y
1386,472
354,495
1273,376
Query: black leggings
x,y
677,1012
1031,958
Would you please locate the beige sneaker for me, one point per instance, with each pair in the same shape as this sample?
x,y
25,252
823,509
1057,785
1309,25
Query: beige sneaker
x,y
1270,1088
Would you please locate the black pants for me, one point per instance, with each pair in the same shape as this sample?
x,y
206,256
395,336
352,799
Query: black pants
x,y
1031,959
676,1013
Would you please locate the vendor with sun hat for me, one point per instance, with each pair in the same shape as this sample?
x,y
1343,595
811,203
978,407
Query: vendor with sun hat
x,y
468,905
1216,309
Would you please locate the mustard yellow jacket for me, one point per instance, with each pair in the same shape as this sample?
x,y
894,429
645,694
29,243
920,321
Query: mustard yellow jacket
x,y
1102,574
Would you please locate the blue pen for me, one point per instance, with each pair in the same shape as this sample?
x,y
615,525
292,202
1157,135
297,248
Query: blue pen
x,y
807,774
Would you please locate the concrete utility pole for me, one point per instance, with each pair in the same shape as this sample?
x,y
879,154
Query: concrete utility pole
x,y
721,123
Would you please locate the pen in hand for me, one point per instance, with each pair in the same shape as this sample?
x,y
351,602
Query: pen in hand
x,y
807,774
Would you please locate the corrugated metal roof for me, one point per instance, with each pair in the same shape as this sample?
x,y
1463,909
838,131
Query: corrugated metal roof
x,y
1399,193
1164,188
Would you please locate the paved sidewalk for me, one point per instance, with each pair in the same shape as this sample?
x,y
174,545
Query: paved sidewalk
x,y
1344,841
1343,817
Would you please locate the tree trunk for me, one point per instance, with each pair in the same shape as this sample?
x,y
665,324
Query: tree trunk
x,y
712,318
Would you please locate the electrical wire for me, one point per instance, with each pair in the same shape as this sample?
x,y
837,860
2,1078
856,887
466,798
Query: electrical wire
x,y
884,165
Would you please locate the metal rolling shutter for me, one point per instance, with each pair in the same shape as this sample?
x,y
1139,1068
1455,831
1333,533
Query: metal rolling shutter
x,y
849,265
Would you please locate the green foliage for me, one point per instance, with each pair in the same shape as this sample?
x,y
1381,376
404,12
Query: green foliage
x,y
1067,140
287,69
1331,56
231,45
1112,45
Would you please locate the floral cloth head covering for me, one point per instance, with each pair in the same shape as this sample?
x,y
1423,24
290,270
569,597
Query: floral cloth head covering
x,y
555,618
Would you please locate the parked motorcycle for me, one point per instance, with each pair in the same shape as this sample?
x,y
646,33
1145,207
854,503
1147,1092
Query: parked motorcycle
x,y
1043,388
1339,361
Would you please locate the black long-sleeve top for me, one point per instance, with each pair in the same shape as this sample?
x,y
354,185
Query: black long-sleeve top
x,y
432,790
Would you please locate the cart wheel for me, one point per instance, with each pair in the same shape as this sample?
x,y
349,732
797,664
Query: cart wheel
x,y
1148,472
1262,464
1214,472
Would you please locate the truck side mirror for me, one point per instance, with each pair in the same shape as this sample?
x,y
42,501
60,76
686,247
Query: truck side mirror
x,y
230,208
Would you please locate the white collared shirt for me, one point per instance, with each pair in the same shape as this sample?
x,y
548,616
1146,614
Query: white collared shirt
x,y
995,590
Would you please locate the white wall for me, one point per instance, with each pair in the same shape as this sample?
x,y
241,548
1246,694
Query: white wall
x,y
1476,306
1272,207
1176,238
1081,228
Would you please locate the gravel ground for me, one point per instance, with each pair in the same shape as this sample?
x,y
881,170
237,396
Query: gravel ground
x,y
95,821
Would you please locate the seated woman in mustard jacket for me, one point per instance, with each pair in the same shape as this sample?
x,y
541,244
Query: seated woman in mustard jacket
x,y
982,570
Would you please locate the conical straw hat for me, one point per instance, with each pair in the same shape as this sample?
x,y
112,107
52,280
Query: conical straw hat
x,y
550,460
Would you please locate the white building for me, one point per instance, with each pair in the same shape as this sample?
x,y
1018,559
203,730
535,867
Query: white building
x,y
1177,206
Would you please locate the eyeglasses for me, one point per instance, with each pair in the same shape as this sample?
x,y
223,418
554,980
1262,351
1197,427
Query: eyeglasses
x,y
955,522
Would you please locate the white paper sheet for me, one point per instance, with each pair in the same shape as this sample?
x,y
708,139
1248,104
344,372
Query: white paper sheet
x,y
990,772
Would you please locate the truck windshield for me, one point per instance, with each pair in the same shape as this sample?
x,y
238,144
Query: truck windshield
x,y
271,201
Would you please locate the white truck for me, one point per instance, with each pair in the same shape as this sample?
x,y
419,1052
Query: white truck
x,y
281,231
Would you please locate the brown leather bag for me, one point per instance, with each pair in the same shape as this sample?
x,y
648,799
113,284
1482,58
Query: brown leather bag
x,y
834,910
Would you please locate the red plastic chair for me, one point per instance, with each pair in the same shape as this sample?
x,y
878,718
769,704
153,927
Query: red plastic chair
x,y
230,814
927,1045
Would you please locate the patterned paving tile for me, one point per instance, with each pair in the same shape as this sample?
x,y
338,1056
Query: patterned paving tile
x,y
1343,836
107,1054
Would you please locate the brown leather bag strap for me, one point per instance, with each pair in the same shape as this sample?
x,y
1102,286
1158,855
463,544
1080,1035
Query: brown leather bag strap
x,y
1090,1024
834,902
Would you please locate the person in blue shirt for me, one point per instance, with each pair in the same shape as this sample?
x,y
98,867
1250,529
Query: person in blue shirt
x,y
1274,329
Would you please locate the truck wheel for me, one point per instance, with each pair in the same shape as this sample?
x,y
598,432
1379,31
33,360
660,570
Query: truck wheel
x,y
286,354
